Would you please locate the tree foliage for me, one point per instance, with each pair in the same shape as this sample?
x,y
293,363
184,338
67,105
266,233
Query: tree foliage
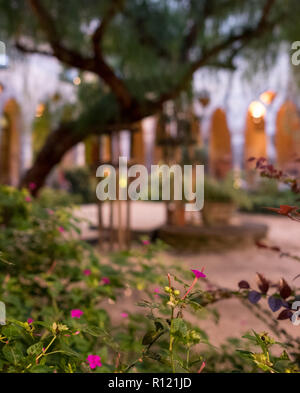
x,y
143,52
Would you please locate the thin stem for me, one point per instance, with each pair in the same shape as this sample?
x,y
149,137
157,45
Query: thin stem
x,y
190,288
172,342
145,352
46,349
188,358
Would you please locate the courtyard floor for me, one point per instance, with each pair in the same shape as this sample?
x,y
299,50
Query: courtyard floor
x,y
226,269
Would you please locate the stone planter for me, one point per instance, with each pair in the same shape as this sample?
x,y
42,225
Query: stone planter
x,y
217,213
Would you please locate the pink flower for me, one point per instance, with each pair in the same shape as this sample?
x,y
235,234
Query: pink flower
x,y
76,313
105,280
50,212
32,186
77,332
28,199
87,272
199,273
201,367
124,315
29,321
61,229
146,242
94,361
156,290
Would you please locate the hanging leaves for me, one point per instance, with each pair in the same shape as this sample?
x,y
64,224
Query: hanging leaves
x,y
244,284
275,303
284,289
254,297
262,283
285,314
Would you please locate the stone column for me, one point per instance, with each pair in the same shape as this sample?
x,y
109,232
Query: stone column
x,y
287,138
255,139
220,153
10,144
138,146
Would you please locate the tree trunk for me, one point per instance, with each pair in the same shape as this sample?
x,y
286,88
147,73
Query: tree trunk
x,y
57,144
67,135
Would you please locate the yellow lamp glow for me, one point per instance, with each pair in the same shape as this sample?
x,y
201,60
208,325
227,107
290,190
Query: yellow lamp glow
x,y
267,97
257,109
39,110
77,81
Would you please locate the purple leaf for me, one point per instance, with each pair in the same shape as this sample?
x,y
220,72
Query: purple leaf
x,y
285,304
275,303
254,297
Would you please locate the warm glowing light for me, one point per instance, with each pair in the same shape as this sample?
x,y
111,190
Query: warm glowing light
x,y
267,97
3,122
39,110
257,109
77,81
237,184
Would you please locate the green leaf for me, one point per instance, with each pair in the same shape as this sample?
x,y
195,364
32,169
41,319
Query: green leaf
x,y
12,332
69,352
179,327
35,349
149,337
39,368
13,353
94,331
245,354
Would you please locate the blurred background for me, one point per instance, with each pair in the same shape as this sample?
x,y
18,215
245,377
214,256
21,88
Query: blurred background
x,y
161,82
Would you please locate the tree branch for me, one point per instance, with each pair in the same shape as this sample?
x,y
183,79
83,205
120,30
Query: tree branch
x,y
67,56
246,35
145,38
102,68
33,50
103,25
193,32
75,59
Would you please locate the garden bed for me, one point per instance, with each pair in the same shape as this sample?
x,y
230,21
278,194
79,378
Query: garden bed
x,y
199,238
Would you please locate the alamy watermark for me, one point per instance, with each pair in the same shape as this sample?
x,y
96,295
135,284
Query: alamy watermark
x,y
2,314
134,184
3,57
296,55
295,320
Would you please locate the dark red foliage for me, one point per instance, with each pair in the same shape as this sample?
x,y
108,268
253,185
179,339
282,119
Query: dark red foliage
x,y
262,283
244,284
284,289
285,314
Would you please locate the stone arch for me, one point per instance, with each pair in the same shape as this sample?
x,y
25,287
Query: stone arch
x,y
287,137
255,139
138,145
220,152
10,153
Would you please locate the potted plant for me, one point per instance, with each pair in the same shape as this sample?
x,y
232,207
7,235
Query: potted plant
x,y
221,201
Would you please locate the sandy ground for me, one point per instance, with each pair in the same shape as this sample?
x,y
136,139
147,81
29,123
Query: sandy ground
x,y
227,268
